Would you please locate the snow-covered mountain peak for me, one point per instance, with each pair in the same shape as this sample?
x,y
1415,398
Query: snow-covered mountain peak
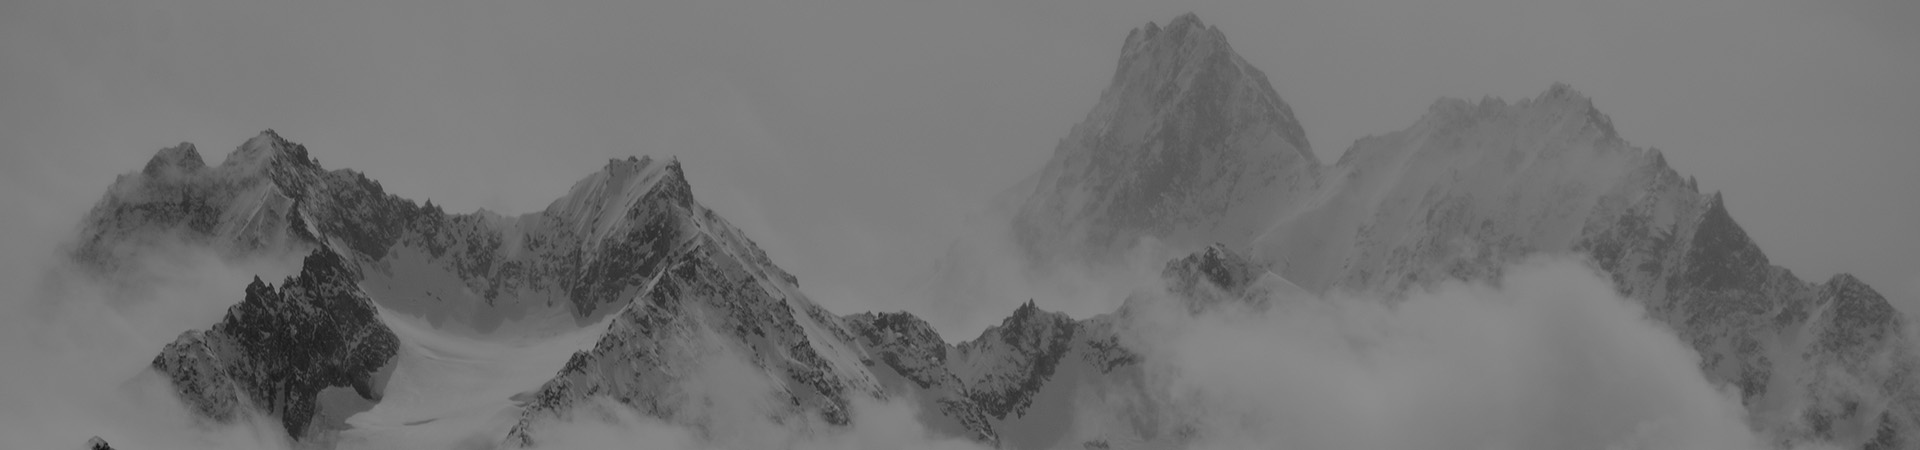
x,y
1185,30
307,354
1188,19
173,160
1191,59
596,205
269,149
1189,144
1858,314
1558,110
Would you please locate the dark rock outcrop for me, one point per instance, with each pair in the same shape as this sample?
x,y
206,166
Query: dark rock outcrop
x,y
275,351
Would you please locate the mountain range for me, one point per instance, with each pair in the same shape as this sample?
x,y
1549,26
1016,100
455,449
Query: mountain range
x,y
1189,147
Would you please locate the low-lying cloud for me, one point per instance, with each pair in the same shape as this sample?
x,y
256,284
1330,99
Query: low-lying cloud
x,y
984,275
1550,357
75,347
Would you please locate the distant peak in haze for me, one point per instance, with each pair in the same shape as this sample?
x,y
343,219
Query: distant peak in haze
x,y
1179,29
1559,102
1185,134
183,157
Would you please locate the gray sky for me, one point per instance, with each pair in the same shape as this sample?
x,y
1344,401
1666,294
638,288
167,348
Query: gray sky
x,y
852,139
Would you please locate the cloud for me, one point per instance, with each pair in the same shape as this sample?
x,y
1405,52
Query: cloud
x,y
75,347
1550,357
984,275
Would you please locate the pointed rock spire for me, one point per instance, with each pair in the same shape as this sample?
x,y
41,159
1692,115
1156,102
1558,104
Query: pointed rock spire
x,y
1189,143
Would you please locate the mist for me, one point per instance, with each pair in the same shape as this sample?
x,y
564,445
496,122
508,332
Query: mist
x,y
77,345
1547,357
858,141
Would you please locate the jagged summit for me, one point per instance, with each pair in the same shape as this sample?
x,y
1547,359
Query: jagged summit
x,y
1859,316
1216,264
1218,275
1189,144
1193,59
1184,31
1558,106
280,351
269,150
179,158
629,234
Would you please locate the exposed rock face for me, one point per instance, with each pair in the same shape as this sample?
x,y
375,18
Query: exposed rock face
x,y
910,358
475,272
1472,187
277,350
1217,275
1007,363
710,299
237,207
1040,379
1469,188
629,235
1189,145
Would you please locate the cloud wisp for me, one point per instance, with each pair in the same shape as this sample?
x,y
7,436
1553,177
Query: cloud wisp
x,y
76,347
1550,357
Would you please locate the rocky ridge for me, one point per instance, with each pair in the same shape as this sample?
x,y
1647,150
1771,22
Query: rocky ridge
x,y
278,351
1190,146
1474,186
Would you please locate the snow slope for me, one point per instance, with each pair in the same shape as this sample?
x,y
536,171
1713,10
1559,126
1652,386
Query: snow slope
x,y
1466,190
417,327
506,323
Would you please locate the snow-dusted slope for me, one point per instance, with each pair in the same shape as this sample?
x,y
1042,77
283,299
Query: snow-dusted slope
x,y
307,355
910,358
1041,379
1189,145
669,284
645,289
714,294
1466,190
1458,193
475,274
1472,187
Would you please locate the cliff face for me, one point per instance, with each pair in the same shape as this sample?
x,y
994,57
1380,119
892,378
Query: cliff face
x,y
280,350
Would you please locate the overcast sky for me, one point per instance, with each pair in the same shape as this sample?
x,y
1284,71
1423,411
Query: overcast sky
x,y
852,139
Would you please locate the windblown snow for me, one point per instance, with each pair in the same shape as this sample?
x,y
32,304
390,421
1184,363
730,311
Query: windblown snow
x,y
1497,275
